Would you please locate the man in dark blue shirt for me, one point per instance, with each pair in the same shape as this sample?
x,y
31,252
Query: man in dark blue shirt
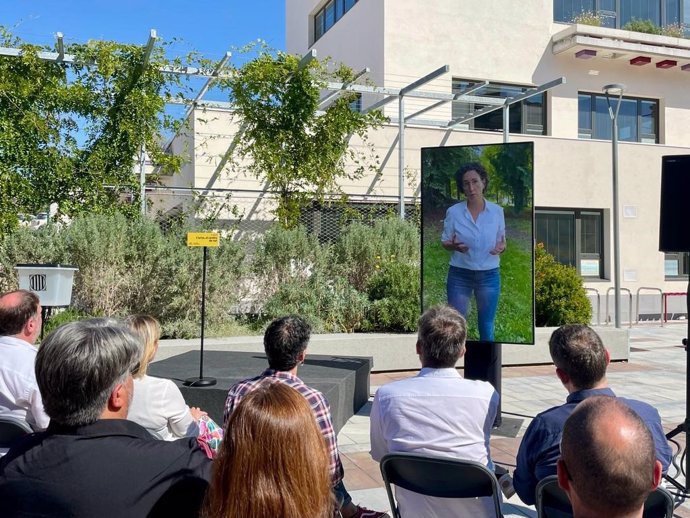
x,y
581,361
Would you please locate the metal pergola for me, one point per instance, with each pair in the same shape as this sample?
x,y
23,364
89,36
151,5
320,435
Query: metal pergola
x,y
431,99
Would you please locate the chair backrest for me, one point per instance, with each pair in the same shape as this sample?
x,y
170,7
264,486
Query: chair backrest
x,y
552,501
438,477
11,429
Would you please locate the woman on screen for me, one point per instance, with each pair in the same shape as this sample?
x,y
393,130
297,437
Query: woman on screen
x,y
474,231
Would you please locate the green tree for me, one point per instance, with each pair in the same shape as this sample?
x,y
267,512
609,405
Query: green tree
x,y
301,151
70,133
510,168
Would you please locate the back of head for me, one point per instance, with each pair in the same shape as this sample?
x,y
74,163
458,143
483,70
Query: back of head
x,y
148,329
79,364
609,456
578,351
284,340
273,460
441,337
16,308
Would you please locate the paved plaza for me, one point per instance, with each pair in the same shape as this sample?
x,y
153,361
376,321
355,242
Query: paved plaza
x,y
656,373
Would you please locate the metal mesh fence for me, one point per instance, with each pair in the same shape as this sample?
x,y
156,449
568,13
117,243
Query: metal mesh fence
x,y
249,214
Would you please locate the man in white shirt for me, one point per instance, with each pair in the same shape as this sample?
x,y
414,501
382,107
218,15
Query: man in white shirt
x,y
437,413
20,326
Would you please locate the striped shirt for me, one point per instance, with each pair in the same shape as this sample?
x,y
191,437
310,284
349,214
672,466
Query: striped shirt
x,y
316,400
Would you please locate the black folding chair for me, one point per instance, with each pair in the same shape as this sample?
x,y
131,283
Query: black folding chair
x,y
553,502
11,429
438,477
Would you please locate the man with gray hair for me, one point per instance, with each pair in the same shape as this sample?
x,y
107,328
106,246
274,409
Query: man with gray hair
x,y
581,361
608,462
436,413
91,461
20,326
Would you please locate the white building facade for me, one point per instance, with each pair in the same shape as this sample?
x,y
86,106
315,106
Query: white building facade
x,y
515,46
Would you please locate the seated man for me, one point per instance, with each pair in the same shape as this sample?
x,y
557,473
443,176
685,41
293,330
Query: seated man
x,y
92,461
436,413
581,361
285,343
20,326
607,465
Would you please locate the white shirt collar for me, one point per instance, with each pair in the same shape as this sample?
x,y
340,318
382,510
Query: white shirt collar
x,y
439,373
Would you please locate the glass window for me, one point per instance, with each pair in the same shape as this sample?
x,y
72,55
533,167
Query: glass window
x,y
637,118
584,116
574,237
566,10
616,13
677,265
318,25
329,15
527,116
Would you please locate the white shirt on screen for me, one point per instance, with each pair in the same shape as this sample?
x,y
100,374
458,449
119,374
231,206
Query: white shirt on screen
x,y
480,236
437,413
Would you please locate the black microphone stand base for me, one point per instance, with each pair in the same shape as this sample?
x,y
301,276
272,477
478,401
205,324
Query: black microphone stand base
x,y
199,382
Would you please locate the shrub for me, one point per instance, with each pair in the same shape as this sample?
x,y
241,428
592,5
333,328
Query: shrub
x,y
559,293
25,245
286,254
131,266
589,18
674,31
328,305
361,247
645,26
63,317
394,293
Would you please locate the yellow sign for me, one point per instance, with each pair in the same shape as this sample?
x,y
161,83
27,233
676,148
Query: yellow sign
x,y
203,239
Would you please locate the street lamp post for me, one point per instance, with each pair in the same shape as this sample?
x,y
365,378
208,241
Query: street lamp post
x,y
614,90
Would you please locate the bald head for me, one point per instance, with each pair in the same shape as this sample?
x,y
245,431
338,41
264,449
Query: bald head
x,y
608,462
20,315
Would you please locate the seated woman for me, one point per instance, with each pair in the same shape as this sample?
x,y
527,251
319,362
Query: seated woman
x,y
158,404
273,461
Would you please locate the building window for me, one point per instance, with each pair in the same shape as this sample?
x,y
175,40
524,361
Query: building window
x,y
617,13
574,237
527,116
677,265
638,119
329,14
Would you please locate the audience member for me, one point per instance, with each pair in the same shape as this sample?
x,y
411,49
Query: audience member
x,y
285,343
436,413
273,461
607,465
581,361
158,404
20,326
92,461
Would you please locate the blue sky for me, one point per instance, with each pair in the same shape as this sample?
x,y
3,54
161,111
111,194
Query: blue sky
x,y
210,27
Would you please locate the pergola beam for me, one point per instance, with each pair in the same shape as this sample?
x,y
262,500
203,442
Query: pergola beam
x,y
330,98
507,102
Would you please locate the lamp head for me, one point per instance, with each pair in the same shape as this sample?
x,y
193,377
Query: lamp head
x,y
614,89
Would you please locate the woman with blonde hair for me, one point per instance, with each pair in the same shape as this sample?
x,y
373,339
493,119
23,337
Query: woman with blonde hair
x,y
158,404
273,461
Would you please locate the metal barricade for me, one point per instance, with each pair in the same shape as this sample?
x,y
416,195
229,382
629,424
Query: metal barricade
x,y
661,303
596,291
665,297
629,304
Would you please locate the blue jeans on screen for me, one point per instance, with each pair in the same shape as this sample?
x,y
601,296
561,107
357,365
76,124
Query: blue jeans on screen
x,y
486,285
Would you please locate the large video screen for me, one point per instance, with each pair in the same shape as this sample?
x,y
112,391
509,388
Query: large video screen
x,y
477,237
